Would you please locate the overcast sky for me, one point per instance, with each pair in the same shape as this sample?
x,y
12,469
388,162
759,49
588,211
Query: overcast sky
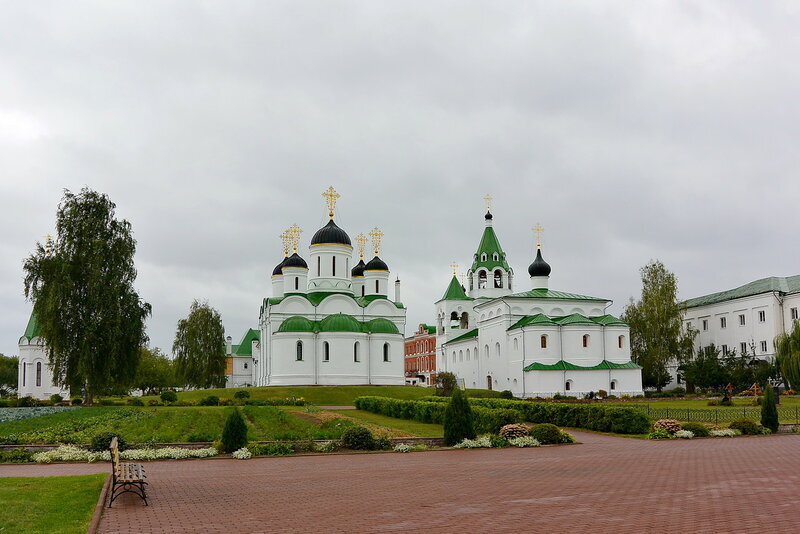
x,y
630,130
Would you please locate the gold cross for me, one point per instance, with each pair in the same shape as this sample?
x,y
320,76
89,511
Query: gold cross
x,y
376,236
286,240
488,200
361,241
331,195
454,266
294,232
539,230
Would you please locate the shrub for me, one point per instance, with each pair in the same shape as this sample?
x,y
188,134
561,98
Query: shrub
x,y
747,427
602,394
234,434
684,434
358,438
16,456
506,394
670,425
482,442
102,442
55,398
211,400
458,419
241,394
77,401
402,447
383,443
699,430
327,446
659,433
513,431
724,433
546,433
168,396
242,454
26,402
153,402
135,402
445,384
769,412
679,392
498,442
525,441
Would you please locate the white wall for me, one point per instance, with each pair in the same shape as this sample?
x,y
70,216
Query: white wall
x,y
31,354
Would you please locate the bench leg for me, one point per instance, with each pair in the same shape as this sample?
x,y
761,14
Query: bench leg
x,y
137,488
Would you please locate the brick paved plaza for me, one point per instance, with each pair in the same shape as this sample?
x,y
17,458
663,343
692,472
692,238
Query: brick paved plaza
x,y
605,484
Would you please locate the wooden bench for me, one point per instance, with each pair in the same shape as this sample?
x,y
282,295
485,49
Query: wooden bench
x,y
125,477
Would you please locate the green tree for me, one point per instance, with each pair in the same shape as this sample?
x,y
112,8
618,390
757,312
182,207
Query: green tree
x,y
155,373
200,347
706,370
9,368
81,284
657,336
787,354
234,434
769,411
445,384
458,423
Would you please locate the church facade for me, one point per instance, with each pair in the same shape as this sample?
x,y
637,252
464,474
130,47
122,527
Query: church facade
x,y
330,320
35,377
537,342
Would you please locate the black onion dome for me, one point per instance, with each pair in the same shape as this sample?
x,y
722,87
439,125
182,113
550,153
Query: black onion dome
x,y
488,215
358,270
330,233
295,261
539,267
376,264
277,270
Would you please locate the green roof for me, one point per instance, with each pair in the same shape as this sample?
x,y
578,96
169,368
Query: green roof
x,y
539,319
489,245
298,324
381,326
777,284
316,298
32,330
245,347
550,294
454,291
575,319
340,322
428,328
566,366
468,335
608,320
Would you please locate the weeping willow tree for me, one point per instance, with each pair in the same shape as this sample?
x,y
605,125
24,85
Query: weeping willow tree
x,y
81,284
787,354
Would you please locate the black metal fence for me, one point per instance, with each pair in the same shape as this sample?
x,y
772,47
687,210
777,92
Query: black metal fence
x,y
786,414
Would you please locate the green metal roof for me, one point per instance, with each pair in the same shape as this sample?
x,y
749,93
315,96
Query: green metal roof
x,y
575,319
298,324
245,347
566,366
316,298
549,294
32,330
608,320
428,328
779,284
539,319
454,291
468,335
365,300
489,245
340,322
381,326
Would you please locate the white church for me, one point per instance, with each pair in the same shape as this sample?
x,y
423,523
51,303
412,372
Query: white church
x,y
35,377
329,321
535,342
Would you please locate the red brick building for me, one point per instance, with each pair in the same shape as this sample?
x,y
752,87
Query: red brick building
x,y
420,356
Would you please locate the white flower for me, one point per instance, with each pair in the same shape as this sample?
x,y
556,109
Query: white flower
x,y
482,442
725,433
402,447
242,454
327,446
684,434
525,441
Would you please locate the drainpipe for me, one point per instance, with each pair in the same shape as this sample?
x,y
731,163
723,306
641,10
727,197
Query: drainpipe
x,y
523,363
561,352
369,360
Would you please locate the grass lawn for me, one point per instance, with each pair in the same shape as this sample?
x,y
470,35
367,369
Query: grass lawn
x,y
48,505
410,427
320,395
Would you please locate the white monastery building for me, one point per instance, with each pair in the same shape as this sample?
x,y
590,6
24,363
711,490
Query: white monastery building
x,y
537,342
745,320
35,377
329,320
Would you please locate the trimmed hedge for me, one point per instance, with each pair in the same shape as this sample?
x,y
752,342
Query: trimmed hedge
x,y
484,419
602,418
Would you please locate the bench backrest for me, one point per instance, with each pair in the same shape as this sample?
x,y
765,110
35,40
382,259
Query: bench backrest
x,y
115,464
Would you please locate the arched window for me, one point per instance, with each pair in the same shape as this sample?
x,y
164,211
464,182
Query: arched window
x,y
454,319
386,352
347,265
356,357
362,290
486,351
245,365
481,279
24,373
613,385
568,385
454,356
498,278
296,283
326,351
516,344
543,341
495,257
471,282
468,354
319,265
585,340
497,349
464,323
333,266
621,341
461,355
38,374
483,257
299,351
377,286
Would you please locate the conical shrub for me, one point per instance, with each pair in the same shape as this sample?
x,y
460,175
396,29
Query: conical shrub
x,y
769,412
234,434
458,419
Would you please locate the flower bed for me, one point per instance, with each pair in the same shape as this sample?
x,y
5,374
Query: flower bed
x,y
72,453
15,414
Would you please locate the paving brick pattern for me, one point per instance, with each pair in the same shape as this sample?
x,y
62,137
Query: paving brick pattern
x,y
606,484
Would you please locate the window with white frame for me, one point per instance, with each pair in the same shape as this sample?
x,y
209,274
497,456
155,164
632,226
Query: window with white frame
x,y
743,347
763,346
705,325
742,320
762,316
724,350
326,351
794,313
723,322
